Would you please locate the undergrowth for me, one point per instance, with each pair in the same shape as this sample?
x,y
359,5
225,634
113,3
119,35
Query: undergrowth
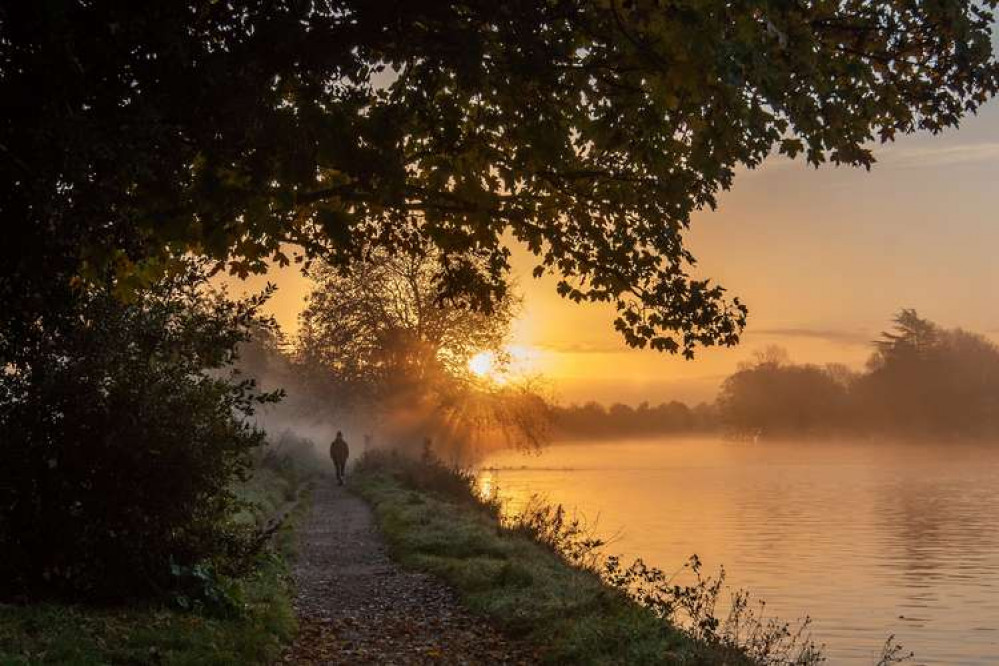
x,y
206,617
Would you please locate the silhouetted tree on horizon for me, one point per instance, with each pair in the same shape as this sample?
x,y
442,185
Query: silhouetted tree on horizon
x,y
592,420
772,398
927,381
921,381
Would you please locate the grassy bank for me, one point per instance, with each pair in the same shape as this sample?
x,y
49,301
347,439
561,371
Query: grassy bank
x,y
257,618
519,574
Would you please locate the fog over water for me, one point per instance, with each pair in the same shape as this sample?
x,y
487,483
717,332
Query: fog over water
x,y
867,539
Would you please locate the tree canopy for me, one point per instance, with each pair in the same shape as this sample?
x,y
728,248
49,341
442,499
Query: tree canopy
x,y
382,324
588,130
773,397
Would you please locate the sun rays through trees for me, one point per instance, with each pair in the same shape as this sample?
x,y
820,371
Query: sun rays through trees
x,y
421,362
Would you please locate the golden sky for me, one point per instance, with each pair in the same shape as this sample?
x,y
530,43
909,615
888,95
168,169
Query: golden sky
x,y
823,258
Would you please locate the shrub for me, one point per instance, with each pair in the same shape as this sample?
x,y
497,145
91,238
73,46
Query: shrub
x,y
122,437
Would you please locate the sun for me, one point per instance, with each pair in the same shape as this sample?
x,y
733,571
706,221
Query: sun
x,y
483,364
512,363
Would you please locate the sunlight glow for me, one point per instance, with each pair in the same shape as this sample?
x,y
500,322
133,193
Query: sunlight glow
x,y
512,363
483,364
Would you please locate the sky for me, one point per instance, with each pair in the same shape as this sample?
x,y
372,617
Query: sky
x,y
822,257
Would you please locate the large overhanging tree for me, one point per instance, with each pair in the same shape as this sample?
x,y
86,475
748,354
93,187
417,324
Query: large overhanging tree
x,y
589,130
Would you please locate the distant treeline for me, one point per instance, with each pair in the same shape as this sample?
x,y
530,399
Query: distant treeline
x,y
593,420
921,381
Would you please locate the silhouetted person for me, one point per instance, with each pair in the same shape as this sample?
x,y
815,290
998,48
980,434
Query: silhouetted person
x,y
338,453
428,452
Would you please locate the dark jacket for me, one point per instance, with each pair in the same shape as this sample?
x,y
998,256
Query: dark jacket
x,y
339,450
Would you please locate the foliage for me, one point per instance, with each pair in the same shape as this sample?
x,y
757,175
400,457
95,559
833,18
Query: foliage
x,y
137,633
588,130
893,653
592,420
202,588
383,325
924,380
428,474
913,337
694,605
921,381
783,399
122,437
566,536
56,634
379,337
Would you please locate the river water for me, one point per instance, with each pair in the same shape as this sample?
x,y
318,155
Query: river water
x,y
867,540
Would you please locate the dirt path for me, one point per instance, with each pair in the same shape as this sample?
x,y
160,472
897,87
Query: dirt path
x,y
356,606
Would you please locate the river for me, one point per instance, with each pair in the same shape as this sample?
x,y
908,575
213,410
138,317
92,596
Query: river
x,y
868,540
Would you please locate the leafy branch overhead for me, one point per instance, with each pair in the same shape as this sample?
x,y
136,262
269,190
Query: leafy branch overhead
x,y
588,130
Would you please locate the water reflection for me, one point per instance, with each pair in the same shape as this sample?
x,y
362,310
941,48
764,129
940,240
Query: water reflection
x,y
867,540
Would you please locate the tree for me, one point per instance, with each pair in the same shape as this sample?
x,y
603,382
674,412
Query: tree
x,y
588,130
771,356
121,440
592,420
776,397
383,323
913,337
930,381
380,337
922,380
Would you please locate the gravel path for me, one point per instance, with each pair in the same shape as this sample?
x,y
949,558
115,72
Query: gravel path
x,y
356,606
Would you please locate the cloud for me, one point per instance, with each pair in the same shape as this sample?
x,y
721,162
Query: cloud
x,y
584,347
844,337
941,155
894,156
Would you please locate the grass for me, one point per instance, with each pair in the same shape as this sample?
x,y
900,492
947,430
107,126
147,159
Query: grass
x,y
523,586
51,633
150,633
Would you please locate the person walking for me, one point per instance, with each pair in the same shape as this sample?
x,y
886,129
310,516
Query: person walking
x,y
338,453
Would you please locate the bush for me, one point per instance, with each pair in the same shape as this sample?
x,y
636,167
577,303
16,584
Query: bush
x,y
122,439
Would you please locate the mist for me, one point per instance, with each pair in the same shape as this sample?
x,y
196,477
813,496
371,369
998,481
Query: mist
x,y
381,358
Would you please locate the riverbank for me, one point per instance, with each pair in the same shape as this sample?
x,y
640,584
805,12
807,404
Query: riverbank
x,y
219,621
534,580
408,565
